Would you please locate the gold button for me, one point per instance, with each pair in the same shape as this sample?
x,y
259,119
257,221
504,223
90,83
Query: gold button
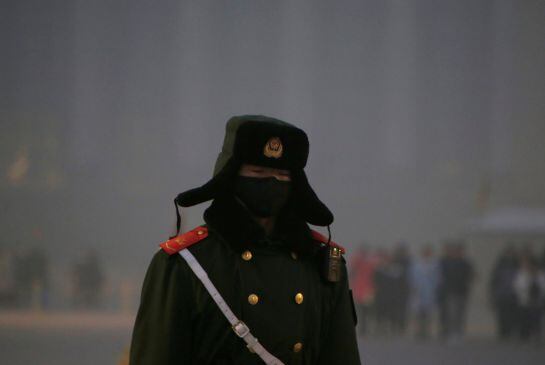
x,y
200,232
246,255
299,298
294,255
297,347
253,299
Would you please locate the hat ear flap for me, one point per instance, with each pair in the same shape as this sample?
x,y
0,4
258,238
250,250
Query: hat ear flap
x,y
309,206
220,184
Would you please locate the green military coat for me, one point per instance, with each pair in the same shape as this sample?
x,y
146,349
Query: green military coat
x,y
274,284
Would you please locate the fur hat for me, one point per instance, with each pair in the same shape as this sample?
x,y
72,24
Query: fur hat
x,y
264,141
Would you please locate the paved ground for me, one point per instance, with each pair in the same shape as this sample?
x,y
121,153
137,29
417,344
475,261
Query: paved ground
x,y
471,352
76,347
85,339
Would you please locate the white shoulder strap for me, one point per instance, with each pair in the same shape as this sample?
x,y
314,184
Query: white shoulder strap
x,y
239,327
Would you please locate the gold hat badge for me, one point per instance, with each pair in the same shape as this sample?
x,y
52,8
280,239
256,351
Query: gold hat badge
x,y
273,148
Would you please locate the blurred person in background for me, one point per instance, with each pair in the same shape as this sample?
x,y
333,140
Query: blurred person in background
x,y
400,269
384,278
23,276
527,251
362,266
31,277
424,280
543,260
529,286
38,268
502,292
7,279
88,280
456,275
446,255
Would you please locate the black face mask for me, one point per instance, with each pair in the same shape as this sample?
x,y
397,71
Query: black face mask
x,y
264,197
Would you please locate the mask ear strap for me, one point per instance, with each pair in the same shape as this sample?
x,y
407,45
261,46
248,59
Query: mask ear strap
x,y
178,219
328,234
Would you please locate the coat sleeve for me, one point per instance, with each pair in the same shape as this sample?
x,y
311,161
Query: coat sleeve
x,y
341,346
162,330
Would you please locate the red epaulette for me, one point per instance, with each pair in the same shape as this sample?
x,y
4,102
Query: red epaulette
x,y
184,240
320,238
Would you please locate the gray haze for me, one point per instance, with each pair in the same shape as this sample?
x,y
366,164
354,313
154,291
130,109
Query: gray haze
x,y
415,110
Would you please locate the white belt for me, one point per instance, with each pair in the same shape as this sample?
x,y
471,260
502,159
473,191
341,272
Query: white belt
x,y
239,327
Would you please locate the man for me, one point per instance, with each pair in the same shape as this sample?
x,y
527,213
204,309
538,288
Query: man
x,y
400,267
529,286
456,276
362,271
502,292
424,279
270,289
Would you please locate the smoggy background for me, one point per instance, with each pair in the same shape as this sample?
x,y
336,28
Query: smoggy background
x,y
426,121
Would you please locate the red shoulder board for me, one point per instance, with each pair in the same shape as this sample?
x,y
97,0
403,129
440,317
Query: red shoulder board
x,y
184,240
320,238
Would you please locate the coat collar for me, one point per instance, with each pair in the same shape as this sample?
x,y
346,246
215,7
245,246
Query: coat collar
x,y
233,222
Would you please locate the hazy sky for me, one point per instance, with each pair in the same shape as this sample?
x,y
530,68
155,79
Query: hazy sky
x,y
110,108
